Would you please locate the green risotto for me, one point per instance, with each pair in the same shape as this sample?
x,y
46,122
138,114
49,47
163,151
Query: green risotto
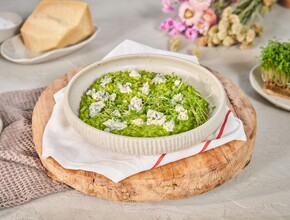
x,y
143,104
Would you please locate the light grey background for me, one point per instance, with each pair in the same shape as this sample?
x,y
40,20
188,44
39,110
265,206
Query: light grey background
x,y
262,190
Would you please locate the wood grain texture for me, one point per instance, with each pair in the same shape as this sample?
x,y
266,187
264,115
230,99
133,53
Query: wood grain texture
x,y
181,179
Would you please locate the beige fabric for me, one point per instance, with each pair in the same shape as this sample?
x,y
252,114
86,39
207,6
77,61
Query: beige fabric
x,y
22,176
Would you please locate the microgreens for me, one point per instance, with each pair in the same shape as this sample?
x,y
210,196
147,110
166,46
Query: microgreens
x,y
275,62
159,99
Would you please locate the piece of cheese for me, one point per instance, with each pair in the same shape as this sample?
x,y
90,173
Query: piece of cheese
x,y
57,24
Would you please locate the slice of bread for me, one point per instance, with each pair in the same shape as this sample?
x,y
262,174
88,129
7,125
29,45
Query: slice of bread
x,y
272,88
57,24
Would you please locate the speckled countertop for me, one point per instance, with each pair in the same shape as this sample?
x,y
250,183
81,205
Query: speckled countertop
x,y
261,191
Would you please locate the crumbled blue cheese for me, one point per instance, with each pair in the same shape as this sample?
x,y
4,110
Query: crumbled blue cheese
x,y
182,112
179,108
183,116
91,91
100,95
96,107
124,88
113,97
138,121
105,81
177,98
116,113
115,124
136,104
177,82
107,129
161,121
155,118
145,88
159,79
154,114
134,74
169,126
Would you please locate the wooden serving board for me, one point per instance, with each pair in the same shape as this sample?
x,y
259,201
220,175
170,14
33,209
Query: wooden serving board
x,y
181,179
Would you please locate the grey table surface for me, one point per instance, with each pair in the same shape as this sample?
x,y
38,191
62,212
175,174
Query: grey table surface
x,y
262,190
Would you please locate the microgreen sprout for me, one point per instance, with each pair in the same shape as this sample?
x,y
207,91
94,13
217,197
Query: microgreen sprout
x,y
275,63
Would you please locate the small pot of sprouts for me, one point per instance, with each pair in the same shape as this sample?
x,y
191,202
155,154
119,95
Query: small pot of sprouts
x,y
275,65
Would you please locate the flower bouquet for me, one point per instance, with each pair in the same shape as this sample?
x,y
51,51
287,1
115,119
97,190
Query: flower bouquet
x,y
215,22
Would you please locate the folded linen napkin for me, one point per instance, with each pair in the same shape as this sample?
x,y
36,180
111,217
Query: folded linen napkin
x,y
62,142
22,176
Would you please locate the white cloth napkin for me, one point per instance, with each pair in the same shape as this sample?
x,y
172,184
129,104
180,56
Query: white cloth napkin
x,y
67,147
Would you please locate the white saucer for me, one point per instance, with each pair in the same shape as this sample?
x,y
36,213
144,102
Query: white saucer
x,y
14,50
1,125
257,84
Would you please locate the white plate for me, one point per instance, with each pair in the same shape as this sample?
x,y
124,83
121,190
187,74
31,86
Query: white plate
x,y
14,50
257,84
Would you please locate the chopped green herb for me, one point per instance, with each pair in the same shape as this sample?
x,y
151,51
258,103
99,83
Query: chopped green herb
x,y
143,104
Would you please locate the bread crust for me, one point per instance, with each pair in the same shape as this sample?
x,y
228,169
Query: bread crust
x,y
272,88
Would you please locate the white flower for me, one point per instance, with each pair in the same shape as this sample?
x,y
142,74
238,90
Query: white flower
x,y
188,14
227,12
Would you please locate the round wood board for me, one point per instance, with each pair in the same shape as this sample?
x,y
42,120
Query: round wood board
x,y
181,179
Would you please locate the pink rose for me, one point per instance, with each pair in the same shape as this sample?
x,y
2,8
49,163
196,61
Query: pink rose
x,y
210,17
